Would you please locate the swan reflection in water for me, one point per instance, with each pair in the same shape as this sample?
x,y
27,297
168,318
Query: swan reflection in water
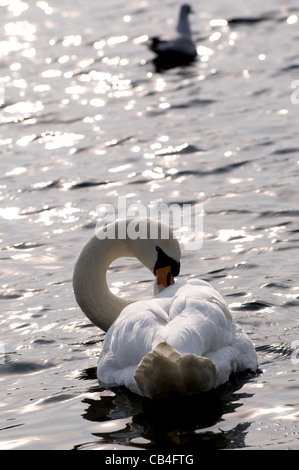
x,y
167,423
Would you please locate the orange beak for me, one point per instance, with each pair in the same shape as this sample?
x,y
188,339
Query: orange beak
x,y
164,277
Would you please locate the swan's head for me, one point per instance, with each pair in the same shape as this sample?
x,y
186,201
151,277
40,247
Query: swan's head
x,y
157,248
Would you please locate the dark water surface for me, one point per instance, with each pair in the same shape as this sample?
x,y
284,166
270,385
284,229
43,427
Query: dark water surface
x,y
85,119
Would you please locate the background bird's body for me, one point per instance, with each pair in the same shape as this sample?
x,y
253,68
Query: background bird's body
x,y
179,50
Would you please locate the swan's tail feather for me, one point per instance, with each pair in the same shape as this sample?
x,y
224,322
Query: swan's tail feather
x,y
164,372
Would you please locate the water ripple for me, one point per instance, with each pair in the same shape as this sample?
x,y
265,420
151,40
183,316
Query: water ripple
x,y
252,21
253,306
14,366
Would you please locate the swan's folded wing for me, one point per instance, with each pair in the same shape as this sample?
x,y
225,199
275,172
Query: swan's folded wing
x,y
199,319
128,340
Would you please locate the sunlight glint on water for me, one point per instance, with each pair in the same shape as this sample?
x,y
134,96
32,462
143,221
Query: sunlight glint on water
x,y
85,119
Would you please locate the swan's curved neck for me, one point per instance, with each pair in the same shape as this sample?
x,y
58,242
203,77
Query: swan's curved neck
x,y
89,281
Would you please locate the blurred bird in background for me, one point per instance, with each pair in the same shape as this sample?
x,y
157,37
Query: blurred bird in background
x,y
180,50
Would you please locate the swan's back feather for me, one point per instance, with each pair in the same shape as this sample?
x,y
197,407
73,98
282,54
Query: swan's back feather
x,y
164,372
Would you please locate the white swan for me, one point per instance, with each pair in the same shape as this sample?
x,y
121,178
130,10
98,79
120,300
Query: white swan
x,y
179,50
183,341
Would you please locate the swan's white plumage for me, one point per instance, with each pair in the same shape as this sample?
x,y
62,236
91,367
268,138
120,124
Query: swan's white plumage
x,y
182,341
